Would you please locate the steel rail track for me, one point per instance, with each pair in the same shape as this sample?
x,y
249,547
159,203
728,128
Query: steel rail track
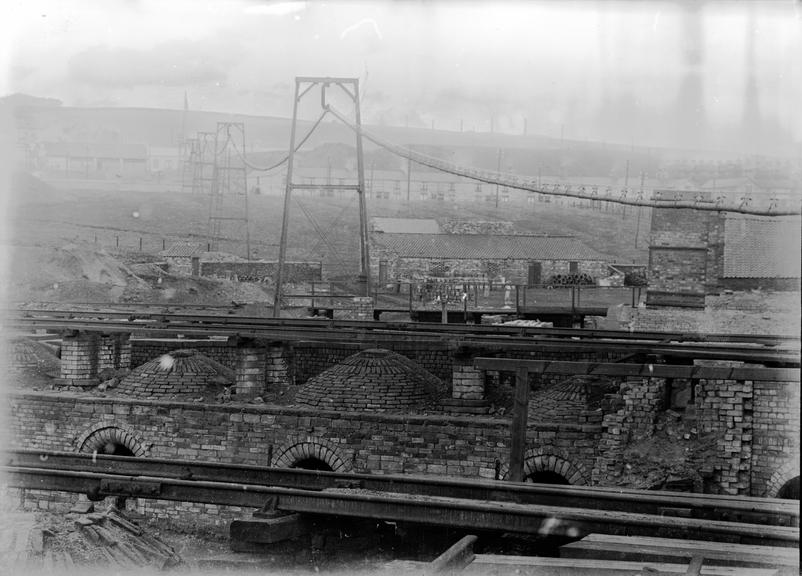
x,y
423,327
430,510
708,351
702,506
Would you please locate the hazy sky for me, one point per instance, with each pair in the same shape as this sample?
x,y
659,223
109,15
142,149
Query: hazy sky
x,y
613,70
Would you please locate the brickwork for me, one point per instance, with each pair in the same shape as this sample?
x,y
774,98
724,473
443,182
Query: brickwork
x,y
775,436
113,352
222,351
685,256
184,374
278,368
629,415
250,374
372,380
247,433
467,383
726,408
363,308
79,359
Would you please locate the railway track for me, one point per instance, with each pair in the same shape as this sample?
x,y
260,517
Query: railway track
x,y
461,503
773,351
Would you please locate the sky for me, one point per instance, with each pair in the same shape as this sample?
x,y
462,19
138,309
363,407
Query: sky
x,y
647,72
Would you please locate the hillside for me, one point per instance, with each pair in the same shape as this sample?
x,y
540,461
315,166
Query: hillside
x,y
97,237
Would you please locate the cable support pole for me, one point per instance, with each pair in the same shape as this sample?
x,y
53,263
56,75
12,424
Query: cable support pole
x,y
363,214
282,250
566,190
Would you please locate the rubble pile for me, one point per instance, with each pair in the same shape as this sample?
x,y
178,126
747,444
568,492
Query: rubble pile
x,y
81,541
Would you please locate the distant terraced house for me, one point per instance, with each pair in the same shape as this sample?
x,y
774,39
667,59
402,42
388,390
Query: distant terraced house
x,y
411,251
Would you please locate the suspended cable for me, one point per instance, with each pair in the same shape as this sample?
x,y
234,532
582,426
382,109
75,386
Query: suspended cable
x,y
567,190
283,160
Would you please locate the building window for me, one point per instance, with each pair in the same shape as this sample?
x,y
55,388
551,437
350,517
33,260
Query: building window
x,y
573,267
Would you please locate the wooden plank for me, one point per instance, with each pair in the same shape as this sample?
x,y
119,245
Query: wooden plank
x,y
502,565
645,370
455,558
648,549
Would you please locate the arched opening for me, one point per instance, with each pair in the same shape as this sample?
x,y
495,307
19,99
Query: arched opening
x,y
312,464
111,441
546,477
115,449
312,455
790,490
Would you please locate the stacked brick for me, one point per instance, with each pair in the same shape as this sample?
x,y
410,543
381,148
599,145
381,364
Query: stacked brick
x,y
451,226
363,308
250,373
775,435
467,383
373,380
629,414
79,360
113,352
726,409
181,374
278,369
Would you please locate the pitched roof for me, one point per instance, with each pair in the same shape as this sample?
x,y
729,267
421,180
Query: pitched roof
x,y
406,225
486,246
182,251
757,247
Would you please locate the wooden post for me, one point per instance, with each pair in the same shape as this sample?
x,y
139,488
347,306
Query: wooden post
x,y
520,413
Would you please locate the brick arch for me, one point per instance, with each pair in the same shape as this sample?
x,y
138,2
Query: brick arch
x,y
99,434
788,471
550,460
318,449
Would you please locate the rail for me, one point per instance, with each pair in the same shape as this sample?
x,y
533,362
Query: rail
x,y
450,511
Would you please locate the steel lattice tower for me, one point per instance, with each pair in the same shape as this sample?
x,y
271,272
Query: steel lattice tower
x,y
228,190
350,87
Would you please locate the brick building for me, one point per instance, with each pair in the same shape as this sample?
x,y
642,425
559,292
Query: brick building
x,y
695,253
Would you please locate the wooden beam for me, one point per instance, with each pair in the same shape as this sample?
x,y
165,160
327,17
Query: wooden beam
x,y
642,370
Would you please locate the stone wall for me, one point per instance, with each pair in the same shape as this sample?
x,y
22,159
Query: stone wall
x,y
294,272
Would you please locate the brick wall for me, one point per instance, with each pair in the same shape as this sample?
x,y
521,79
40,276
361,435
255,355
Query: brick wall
x,y
246,434
144,350
775,436
685,256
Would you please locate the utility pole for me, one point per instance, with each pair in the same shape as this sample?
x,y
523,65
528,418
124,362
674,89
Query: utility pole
x,y
498,171
409,175
285,218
